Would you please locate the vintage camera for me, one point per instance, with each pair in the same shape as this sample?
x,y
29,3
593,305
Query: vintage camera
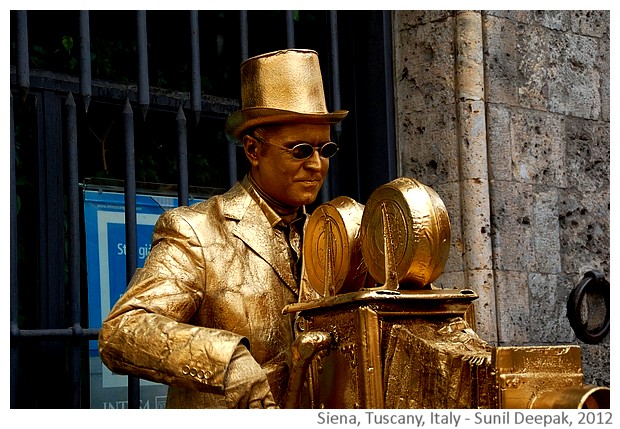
x,y
372,331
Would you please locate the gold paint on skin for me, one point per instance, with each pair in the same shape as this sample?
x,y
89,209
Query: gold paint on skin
x,y
289,181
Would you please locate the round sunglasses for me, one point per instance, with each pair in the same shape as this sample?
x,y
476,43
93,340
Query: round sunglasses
x,y
306,150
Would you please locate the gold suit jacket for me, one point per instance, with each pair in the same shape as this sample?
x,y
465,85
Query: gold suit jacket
x,y
218,275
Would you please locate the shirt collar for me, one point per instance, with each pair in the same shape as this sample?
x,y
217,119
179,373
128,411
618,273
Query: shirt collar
x,y
273,217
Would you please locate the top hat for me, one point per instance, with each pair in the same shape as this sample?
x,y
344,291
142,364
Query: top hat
x,y
281,87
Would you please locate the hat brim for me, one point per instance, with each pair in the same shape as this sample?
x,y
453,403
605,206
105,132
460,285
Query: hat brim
x,y
240,121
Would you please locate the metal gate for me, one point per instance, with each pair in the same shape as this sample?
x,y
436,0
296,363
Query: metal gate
x,y
137,100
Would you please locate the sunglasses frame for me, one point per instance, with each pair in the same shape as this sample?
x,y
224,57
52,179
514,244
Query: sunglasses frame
x,y
292,149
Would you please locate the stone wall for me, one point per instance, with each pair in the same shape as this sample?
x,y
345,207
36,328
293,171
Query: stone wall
x,y
544,121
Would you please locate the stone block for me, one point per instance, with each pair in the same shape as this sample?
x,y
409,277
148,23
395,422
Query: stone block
x,y
574,76
538,148
511,226
451,197
584,230
473,141
451,280
603,60
476,225
552,19
429,146
548,321
482,282
513,15
595,362
469,46
587,155
500,62
546,231
513,307
533,66
424,67
590,22
406,19
499,142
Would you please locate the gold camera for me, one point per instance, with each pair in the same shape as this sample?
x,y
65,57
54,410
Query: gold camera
x,y
372,331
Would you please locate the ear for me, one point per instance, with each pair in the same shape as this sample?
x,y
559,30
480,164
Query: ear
x,y
251,149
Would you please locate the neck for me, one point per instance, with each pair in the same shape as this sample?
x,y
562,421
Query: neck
x,y
285,211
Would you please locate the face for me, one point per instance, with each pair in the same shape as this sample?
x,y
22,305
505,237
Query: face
x,y
291,182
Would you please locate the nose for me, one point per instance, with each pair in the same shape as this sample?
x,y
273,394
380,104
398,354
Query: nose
x,y
314,162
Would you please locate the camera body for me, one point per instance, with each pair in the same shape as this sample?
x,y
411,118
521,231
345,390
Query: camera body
x,y
416,349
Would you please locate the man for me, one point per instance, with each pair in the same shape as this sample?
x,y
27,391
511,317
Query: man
x,y
204,315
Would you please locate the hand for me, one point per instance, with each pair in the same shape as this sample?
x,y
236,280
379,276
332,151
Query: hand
x,y
245,382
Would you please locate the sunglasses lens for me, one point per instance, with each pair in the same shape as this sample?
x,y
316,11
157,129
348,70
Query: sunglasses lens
x,y
328,150
303,151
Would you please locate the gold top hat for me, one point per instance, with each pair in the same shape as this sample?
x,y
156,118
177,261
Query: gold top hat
x,y
281,87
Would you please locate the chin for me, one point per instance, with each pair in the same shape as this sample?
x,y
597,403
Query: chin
x,y
304,200
306,194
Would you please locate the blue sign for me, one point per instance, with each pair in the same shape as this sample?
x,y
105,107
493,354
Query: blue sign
x,y
104,219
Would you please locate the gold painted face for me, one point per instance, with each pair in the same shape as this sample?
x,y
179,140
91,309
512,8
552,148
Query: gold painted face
x,y
290,181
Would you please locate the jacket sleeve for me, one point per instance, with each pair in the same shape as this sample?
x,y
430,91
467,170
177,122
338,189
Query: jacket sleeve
x,y
148,333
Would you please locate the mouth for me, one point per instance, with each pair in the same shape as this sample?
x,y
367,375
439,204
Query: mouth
x,y
310,182
313,179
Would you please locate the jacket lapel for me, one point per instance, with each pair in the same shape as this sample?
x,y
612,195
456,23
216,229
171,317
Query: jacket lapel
x,y
254,230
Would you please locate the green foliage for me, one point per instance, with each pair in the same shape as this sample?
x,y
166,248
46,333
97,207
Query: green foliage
x,y
67,42
55,57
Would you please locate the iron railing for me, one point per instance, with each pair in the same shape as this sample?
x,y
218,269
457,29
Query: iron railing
x,y
59,102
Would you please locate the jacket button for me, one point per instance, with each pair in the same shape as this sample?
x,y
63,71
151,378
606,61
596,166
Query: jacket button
x,y
185,369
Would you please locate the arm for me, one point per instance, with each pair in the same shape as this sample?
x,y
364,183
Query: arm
x,y
148,334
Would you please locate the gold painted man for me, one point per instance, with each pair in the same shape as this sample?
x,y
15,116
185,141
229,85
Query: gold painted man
x,y
204,315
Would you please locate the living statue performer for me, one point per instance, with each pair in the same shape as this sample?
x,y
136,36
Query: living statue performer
x,y
204,315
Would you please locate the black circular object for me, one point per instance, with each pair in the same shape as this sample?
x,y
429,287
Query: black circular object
x,y
594,283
